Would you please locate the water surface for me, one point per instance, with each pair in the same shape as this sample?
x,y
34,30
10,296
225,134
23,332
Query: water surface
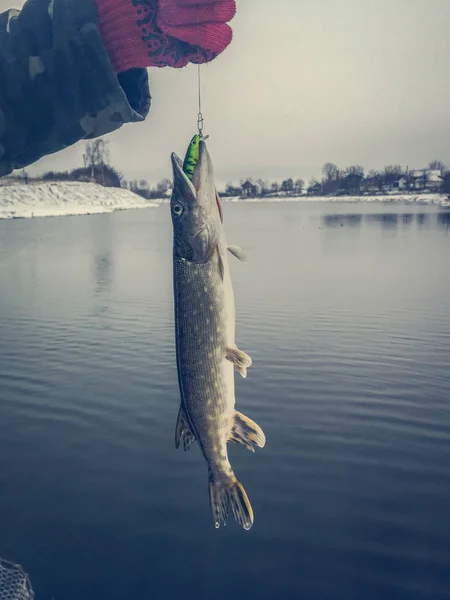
x,y
345,311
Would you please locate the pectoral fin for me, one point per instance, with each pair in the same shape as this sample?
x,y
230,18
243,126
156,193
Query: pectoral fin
x,y
183,431
218,205
220,264
241,360
237,252
247,432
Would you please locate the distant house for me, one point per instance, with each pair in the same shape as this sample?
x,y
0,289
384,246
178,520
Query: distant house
x,y
426,180
434,181
249,189
315,189
401,184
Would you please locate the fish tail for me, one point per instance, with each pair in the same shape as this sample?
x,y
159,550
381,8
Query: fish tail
x,y
227,494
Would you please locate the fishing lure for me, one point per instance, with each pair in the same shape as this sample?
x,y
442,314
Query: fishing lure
x,y
191,160
192,155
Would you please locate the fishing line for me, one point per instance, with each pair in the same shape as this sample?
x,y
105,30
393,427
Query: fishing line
x,y
200,114
199,81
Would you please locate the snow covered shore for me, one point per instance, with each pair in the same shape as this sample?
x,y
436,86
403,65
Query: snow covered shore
x,y
65,198
420,199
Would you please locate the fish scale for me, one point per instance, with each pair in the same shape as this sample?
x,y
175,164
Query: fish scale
x,y
201,349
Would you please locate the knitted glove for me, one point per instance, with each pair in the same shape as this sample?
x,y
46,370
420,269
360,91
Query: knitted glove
x,y
164,33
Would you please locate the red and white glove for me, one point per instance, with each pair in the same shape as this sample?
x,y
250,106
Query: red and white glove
x,y
164,33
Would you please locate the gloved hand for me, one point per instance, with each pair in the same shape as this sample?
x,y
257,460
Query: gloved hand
x,y
160,33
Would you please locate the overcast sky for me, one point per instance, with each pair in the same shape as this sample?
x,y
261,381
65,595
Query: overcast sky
x,y
303,82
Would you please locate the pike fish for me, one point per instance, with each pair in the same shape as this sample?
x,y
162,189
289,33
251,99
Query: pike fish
x,y
205,337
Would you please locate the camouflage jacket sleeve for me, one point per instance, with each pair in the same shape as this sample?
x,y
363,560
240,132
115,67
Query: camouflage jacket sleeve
x,y
56,82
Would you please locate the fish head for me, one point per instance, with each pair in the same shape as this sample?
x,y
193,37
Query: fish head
x,y
194,208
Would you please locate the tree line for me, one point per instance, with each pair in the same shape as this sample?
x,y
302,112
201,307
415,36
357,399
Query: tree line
x,y
352,180
96,169
250,188
349,181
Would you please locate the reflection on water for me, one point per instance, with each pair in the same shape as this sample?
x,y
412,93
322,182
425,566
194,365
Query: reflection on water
x,y
389,220
422,218
444,219
102,273
101,228
407,218
386,220
351,220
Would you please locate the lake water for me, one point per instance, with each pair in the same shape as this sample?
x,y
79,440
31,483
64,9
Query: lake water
x,y
345,310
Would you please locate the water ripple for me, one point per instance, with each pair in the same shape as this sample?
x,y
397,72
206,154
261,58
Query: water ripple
x,y
349,332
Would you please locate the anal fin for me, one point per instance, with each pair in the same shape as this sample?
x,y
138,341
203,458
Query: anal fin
x,y
240,359
247,432
183,431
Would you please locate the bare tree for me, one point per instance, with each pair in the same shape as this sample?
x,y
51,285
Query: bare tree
x,y
371,178
446,183
438,165
163,186
96,155
232,190
261,187
331,181
392,173
287,186
298,186
379,178
352,179
356,170
330,171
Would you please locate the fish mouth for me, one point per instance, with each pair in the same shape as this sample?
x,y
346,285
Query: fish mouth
x,y
180,179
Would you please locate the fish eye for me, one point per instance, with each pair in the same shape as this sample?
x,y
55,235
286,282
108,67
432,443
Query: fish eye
x,y
177,209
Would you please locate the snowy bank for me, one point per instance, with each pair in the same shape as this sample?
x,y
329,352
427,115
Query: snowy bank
x,y
65,198
420,199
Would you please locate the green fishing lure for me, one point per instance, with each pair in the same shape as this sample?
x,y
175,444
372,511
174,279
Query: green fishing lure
x,y
191,160
192,156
